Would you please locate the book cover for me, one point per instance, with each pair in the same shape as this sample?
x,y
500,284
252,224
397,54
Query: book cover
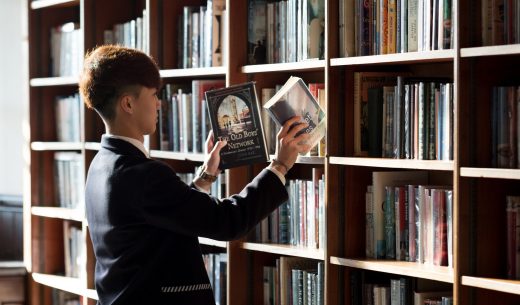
x,y
294,98
235,117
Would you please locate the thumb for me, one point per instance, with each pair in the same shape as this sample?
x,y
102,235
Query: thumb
x,y
218,146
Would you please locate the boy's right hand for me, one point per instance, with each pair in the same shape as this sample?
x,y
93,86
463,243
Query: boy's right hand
x,y
288,146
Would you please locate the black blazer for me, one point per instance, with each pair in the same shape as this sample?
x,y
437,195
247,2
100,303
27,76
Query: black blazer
x,y
144,224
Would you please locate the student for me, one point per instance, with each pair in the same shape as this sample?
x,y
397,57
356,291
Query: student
x,y
144,222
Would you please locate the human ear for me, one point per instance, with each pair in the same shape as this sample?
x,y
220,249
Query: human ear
x,y
126,103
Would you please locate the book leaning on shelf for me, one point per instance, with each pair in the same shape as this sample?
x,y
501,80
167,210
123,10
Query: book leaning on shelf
x,y
295,98
235,117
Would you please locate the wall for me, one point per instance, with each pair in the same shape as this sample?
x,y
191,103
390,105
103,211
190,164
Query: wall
x,y
13,95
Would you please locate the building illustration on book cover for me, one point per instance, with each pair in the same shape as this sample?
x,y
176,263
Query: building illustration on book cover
x,y
235,117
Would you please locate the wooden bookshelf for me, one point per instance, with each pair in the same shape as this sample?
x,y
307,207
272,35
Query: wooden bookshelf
x,y
496,173
399,58
56,146
61,213
435,273
309,65
507,286
92,294
54,81
176,156
490,51
39,4
479,246
193,72
393,163
212,242
286,250
69,284
92,145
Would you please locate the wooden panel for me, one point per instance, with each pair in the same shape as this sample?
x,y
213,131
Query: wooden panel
x,y
12,290
47,245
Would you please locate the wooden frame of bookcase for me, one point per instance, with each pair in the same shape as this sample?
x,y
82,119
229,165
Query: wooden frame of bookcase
x,y
346,176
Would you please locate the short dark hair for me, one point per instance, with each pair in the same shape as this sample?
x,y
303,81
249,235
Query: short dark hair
x,y
109,71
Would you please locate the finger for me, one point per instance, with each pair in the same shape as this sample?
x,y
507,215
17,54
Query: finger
x,y
287,126
219,145
292,133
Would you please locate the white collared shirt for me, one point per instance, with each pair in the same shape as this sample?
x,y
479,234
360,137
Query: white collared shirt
x,y
132,141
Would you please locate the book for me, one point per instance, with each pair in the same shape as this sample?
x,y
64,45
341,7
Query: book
x,y
235,117
295,98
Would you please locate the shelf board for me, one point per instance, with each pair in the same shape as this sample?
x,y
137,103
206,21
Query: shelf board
x,y
176,156
306,160
212,242
54,81
286,250
436,273
510,49
56,212
38,4
410,57
92,145
12,268
69,284
394,163
499,173
43,146
194,72
92,294
306,65
503,285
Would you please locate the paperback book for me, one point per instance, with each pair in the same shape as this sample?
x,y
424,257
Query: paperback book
x,y
235,117
294,98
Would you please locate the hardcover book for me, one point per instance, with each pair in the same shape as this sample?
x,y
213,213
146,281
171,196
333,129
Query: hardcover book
x,y
235,117
294,98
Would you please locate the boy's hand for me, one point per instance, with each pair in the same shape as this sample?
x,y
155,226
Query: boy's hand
x,y
212,155
288,146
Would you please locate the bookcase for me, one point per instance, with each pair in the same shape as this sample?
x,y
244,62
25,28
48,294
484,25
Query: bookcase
x,y
479,270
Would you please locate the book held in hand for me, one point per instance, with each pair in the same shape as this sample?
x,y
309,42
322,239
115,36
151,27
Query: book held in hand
x,y
235,117
294,98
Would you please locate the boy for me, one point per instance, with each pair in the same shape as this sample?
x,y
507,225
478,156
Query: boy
x,y
144,222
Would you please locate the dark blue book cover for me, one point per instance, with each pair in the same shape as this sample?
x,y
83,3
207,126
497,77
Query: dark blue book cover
x,y
235,117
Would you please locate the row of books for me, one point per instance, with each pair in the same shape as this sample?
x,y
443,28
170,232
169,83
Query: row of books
x,y
68,178
513,237
285,31
201,32
294,281
403,118
368,290
183,123
216,266
68,118
218,188
300,221
131,34
414,221
66,56
74,252
500,22
505,130
394,26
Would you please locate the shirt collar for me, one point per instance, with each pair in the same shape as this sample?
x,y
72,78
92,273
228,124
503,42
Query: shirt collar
x,y
132,141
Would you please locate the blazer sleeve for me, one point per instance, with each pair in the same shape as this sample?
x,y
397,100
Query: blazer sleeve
x,y
171,204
